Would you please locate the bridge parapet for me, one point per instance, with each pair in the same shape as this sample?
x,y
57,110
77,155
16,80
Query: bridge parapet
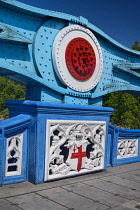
x,y
125,144
14,144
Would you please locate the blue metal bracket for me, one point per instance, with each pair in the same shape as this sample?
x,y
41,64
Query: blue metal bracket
x,y
27,35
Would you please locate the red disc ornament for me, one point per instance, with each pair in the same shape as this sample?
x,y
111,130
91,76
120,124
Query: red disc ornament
x,y
80,58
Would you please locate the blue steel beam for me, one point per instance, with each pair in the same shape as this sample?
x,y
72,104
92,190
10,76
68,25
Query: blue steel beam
x,y
26,38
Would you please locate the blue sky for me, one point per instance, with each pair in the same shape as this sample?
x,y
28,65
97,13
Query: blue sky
x,y
117,18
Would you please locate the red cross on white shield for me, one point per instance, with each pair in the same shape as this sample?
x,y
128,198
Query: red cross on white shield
x,y
78,157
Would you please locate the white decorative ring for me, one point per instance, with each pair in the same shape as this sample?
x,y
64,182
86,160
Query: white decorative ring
x,y
63,38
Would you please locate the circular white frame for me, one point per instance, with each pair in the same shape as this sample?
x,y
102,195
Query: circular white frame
x,y
58,54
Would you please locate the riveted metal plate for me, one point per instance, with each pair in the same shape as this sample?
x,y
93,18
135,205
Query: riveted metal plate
x,y
82,73
80,58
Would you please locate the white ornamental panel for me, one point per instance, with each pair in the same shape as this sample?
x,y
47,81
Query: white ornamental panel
x,y
127,148
74,147
14,155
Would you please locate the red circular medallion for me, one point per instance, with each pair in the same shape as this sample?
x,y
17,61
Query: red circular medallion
x,y
80,58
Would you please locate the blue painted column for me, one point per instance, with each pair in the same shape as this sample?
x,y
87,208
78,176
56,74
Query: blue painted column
x,y
40,112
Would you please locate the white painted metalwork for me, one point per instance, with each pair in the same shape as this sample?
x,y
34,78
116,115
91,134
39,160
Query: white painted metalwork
x,y
58,54
127,148
74,147
14,155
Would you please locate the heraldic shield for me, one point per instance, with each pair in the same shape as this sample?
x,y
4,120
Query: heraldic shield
x,y
74,147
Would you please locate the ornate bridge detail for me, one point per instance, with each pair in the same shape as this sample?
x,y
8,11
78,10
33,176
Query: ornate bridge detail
x,y
80,58
74,147
39,51
64,59
127,148
14,155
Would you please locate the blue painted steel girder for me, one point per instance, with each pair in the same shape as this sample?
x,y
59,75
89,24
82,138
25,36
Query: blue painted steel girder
x,y
26,39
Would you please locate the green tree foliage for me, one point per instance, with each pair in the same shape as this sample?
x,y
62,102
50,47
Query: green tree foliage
x,y
127,106
9,90
136,46
126,109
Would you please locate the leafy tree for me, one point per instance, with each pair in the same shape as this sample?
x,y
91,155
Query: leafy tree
x,y
136,46
127,106
126,109
9,90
